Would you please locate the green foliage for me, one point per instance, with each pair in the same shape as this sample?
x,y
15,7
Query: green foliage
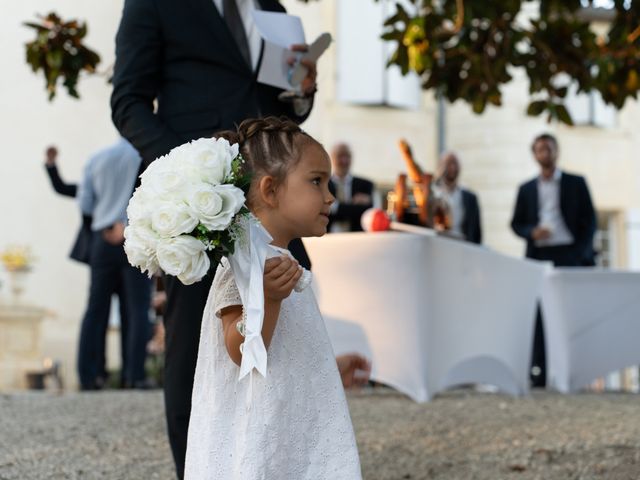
x,y
58,51
468,49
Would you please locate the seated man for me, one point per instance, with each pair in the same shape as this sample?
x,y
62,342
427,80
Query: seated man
x,y
354,195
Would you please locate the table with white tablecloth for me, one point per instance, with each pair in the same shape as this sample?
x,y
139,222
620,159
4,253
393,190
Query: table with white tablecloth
x,y
430,312
592,324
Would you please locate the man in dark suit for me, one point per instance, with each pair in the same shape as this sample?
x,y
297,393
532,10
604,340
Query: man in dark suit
x,y
463,203
555,215
198,60
354,195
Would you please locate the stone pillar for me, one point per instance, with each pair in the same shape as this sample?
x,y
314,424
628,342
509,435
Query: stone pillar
x,y
20,344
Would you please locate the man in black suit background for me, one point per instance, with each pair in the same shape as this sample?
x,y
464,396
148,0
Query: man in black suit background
x,y
555,215
354,195
463,203
185,70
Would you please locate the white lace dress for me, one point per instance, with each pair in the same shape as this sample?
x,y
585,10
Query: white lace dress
x,y
293,425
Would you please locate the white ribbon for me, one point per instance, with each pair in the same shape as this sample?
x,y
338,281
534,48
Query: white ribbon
x,y
247,262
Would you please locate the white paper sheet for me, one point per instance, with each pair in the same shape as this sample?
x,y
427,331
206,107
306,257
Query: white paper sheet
x,y
279,28
279,31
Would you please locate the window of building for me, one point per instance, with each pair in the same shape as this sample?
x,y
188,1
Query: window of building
x,y
362,73
589,109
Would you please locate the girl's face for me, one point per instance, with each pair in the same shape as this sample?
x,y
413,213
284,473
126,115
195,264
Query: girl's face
x,y
304,199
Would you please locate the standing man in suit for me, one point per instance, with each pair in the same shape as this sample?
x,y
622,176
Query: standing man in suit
x,y
81,252
185,70
463,203
354,195
555,215
103,194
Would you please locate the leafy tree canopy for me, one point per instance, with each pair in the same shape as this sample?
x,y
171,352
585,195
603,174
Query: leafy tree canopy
x,y
468,50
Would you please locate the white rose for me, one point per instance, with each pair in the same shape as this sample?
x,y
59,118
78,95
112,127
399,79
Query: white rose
x,y
216,206
169,180
140,207
140,246
211,159
184,257
172,219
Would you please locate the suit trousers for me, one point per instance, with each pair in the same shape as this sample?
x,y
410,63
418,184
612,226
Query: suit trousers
x,y
183,317
111,273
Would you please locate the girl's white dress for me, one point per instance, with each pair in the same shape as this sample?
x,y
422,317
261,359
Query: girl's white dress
x,y
292,425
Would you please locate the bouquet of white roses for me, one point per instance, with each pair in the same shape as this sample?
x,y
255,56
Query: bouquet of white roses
x,y
186,213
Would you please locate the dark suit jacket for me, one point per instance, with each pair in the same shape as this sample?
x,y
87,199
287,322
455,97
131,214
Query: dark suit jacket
x,y
59,185
182,54
577,211
349,211
471,224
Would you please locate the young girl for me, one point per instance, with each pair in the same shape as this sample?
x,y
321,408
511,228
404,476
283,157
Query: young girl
x,y
297,426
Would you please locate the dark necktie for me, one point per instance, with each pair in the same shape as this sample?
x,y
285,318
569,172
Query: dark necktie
x,y
234,22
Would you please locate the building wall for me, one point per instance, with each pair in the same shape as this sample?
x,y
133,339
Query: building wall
x,y
30,212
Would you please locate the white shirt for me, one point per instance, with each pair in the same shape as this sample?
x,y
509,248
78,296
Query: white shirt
x,y
109,178
549,213
245,8
343,195
456,206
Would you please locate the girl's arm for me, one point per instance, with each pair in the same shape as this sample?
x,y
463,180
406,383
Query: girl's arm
x,y
280,276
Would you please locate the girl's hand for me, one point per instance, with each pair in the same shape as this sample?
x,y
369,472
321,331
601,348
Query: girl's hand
x,y
280,276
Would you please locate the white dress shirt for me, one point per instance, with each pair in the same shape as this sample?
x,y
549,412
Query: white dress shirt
x,y
456,206
109,177
549,213
343,195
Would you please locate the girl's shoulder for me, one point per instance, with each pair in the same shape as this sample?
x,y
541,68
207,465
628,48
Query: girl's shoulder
x,y
224,278
224,289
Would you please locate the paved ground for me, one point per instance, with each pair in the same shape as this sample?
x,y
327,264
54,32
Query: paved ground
x,y
460,435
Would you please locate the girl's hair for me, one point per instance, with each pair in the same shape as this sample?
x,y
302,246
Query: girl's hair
x,y
270,146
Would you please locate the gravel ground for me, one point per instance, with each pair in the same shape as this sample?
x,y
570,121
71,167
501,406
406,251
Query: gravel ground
x,y
460,435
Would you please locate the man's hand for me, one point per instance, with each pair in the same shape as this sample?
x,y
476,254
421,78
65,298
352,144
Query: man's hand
x,y
541,233
308,85
51,155
361,199
354,369
115,234
280,276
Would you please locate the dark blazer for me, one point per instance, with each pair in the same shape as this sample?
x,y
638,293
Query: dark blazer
x,y
183,55
471,224
577,212
349,211
59,185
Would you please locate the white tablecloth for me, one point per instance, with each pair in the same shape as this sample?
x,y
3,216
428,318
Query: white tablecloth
x,y
430,312
592,325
